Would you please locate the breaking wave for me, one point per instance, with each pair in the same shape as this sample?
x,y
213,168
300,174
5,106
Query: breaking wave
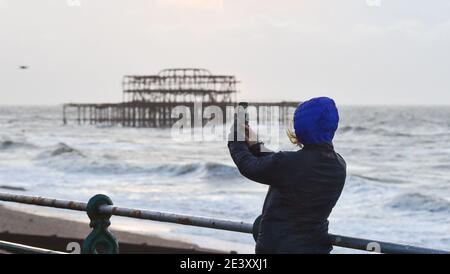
x,y
353,129
10,144
208,169
61,149
420,202
376,179
65,158
375,130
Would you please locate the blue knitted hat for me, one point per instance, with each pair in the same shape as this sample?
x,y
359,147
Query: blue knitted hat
x,y
316,121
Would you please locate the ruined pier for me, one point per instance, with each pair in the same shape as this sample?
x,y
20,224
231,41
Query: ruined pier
x,y
149,100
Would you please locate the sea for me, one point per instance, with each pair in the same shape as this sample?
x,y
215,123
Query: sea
x,y
397,187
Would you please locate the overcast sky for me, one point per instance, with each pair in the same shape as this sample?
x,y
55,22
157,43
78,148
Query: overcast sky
x,y
393,53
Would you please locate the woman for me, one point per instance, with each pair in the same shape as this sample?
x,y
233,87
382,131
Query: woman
x,y
304,185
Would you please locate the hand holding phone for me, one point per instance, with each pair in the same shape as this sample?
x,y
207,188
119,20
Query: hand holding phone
x,y
241,127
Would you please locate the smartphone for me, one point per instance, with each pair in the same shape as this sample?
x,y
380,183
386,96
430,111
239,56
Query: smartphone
x,y
244,106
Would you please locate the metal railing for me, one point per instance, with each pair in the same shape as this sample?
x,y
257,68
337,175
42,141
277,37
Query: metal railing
x,y
24,249
100,209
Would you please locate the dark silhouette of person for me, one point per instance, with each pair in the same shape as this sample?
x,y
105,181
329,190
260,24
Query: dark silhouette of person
x,y
304,185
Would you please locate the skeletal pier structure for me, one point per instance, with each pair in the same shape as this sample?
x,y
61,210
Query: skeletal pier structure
x,y
149,100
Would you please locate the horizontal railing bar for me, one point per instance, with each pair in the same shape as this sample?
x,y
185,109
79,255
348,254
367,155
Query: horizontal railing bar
x,y
41,201
337,240
178,219
381,247
25,249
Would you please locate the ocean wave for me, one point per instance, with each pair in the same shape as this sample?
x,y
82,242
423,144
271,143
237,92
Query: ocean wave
x,y
13,188
208,169
374,130
8,144
353,129
420,202
377,179
67,159
62,148
219,170
391,133
441,166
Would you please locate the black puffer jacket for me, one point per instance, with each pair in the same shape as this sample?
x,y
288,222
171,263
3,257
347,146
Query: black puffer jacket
x,y
304,187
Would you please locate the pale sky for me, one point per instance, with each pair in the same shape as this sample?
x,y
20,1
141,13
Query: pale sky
x,y
393,53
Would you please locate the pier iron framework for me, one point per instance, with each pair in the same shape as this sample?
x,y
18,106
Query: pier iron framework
x,y
148,100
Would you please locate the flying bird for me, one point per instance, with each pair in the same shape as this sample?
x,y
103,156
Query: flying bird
x,y
23,67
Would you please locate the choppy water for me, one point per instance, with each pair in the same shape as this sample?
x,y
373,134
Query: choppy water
x,y
398,185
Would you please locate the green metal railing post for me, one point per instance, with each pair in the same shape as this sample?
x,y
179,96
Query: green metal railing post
x,y
100,240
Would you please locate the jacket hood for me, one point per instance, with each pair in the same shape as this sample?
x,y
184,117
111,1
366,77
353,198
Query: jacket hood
x,y
316,121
